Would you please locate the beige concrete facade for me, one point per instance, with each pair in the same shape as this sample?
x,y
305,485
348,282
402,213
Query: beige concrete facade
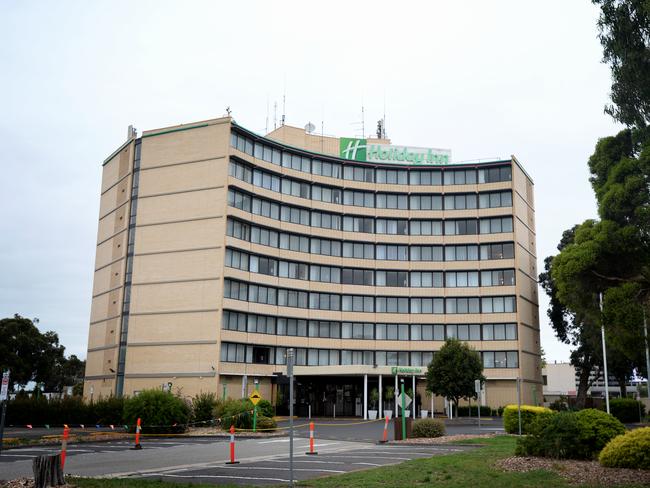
x,y
158,304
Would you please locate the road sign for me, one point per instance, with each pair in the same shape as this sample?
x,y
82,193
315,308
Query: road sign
x,y
5,386
407,400
255,397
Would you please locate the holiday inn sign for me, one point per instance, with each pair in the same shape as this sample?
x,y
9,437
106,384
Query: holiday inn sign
x,y
367,152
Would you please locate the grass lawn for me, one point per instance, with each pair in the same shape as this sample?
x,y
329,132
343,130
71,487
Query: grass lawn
x,y
472,469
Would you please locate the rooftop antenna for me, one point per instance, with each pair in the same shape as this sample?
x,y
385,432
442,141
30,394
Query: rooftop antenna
x,y
284,99
266,130
275,115
322,136
228,111
363,122
384,119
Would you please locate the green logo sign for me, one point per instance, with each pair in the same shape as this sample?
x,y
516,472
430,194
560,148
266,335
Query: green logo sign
x,y
405,370
361,150
354,149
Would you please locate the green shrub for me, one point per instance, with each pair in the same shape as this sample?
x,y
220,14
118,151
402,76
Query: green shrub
x,y
107,411
265,408
631,450
554,435
627,410
596,430
466,411
236,412
160,411
202,406
559,406
428,428
266,423
569,435
528,414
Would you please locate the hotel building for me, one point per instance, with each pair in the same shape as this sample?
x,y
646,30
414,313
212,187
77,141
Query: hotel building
x,y
218,249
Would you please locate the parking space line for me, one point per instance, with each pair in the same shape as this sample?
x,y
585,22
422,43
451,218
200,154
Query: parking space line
x,y
274,468
219,476
373,457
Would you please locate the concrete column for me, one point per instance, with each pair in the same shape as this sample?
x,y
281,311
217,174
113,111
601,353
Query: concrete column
x,y
365,397
413,409
381,402
396,393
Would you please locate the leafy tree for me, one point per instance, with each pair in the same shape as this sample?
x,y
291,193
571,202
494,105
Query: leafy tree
x,y
453,371
612,256
29,354
625,36
573,328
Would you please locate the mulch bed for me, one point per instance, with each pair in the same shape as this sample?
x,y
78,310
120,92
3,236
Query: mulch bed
x,y
24,483
577,472
442,440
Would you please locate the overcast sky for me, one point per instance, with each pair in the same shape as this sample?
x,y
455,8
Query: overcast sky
x,y
483,78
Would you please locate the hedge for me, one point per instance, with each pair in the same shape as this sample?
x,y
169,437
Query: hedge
x,y
428,428
472,411
160,411
528,414
631,450
569,435
25,410
627,410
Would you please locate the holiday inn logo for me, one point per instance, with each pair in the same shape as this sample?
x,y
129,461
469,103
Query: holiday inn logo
x,y
361,150
354,149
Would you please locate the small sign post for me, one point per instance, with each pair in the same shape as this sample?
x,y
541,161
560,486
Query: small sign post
x,y
255,398
4,398
477,389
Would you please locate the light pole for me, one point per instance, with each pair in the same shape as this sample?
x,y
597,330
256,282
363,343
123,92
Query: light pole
x,y
290,359
602,333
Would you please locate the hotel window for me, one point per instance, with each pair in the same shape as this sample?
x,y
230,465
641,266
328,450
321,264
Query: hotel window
x,y
392,252
496,225
392,176
492,175
392,278
392,305
425,177
426,253
461,279
497,251
461,253
426,279
460,177
462,305
359,198
392,201
460,202
426,228
500,277
498,304
428,305
495,199
359,224
426,202
358,250
461,227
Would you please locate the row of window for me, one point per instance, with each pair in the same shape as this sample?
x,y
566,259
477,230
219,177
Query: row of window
x,y
244,353
370,225
361,250
350,171
267,324
358,198
368,277
284,297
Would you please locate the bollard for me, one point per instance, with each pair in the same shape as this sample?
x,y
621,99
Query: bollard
x,y
311,440
385,437
64,444
232,446
137,436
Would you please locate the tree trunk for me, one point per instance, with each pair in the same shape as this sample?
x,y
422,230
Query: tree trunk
x,y
47,471
583,386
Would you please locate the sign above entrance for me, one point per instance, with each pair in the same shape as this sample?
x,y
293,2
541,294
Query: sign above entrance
x,y
407,370
367,152
255,397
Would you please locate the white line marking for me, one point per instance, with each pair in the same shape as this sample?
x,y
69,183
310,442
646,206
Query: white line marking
x,y
368,464
274,468
304,461
218,476
374,457
272,442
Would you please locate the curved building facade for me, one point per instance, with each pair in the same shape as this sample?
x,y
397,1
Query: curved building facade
x,y
218,249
